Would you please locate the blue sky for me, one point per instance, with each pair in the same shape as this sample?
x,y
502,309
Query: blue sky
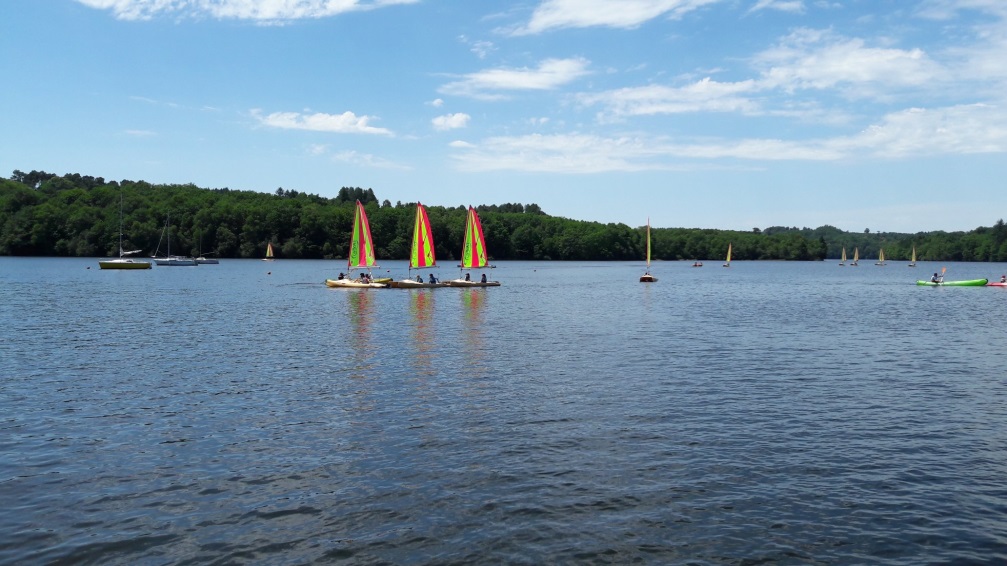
x,y
882,114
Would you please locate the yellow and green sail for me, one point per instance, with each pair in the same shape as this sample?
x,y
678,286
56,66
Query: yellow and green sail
x,y
361,246
423,242
474,248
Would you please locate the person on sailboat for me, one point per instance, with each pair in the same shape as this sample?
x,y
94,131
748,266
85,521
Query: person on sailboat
x,y
341,276
419,279
432,279
467,277
483,278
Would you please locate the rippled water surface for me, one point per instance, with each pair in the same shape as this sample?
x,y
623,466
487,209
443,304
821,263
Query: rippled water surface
x,y
766,413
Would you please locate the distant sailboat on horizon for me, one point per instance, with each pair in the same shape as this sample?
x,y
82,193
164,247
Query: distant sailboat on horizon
x,y
728,263
842,262
269,252
881,257
647,277
912,262
856,257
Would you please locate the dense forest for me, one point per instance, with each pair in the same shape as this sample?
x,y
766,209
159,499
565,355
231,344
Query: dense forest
x,y
43,214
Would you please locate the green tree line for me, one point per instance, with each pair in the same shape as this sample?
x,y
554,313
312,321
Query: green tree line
x,y
43,214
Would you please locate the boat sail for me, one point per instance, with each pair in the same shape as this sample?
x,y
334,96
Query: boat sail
x,y
123,262
842,262
167,259
912,262
361,254
473,253
269,252
647,277
881,257
422,254
856,257
728,264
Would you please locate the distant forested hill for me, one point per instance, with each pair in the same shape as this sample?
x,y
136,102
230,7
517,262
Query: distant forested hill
x,y
43,214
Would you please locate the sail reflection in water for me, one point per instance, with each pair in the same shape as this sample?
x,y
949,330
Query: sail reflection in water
x,y
474,306
360,318
421,306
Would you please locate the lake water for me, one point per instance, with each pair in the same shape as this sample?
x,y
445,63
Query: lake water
x,y
768,413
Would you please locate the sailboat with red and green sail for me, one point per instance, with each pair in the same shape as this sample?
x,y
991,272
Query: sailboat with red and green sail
x,y
361,254
473,254
422,255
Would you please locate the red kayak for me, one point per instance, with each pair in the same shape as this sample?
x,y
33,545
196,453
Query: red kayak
x,y
997,284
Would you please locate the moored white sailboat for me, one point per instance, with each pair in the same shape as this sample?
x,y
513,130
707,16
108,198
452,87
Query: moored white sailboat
x,y
123,262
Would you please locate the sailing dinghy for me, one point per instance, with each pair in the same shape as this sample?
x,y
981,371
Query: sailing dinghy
x,y
728,264
422,255
473,254
361,255
842,262
647,277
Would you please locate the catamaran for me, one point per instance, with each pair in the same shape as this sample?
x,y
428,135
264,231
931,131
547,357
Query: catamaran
x,y
422,255
473,254
881,257
269,252
361,254
912,262
842,262
728,264
647,277
856,257
123,262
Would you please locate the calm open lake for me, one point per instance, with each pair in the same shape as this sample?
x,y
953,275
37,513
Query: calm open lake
x,y
768,413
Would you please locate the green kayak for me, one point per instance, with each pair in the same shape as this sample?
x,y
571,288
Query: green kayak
x,y
965,283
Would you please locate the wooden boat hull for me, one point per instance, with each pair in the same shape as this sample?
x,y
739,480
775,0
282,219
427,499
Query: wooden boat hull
x,y
964,283
464,283
123,264
353,284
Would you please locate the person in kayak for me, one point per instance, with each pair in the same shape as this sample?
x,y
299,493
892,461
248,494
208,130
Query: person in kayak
x,y
935,279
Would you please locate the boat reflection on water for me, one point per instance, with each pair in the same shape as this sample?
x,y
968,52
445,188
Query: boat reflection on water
x,y
361,316
474,308
421,306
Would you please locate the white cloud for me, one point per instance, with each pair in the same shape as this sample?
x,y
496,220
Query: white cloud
x,y
818,59
625,14
260,10
353,157
793,6
345,123
487,84
966,129
451,121
702,96
437,102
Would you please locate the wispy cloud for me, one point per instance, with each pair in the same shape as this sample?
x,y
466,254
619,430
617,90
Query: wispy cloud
x,y
140,133
625,14
345,123
702,96
966,129
259,10
490,83
793,6
354,157
451,121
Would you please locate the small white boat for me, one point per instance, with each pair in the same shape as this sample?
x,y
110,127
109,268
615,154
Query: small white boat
x,y
123,262
167,259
